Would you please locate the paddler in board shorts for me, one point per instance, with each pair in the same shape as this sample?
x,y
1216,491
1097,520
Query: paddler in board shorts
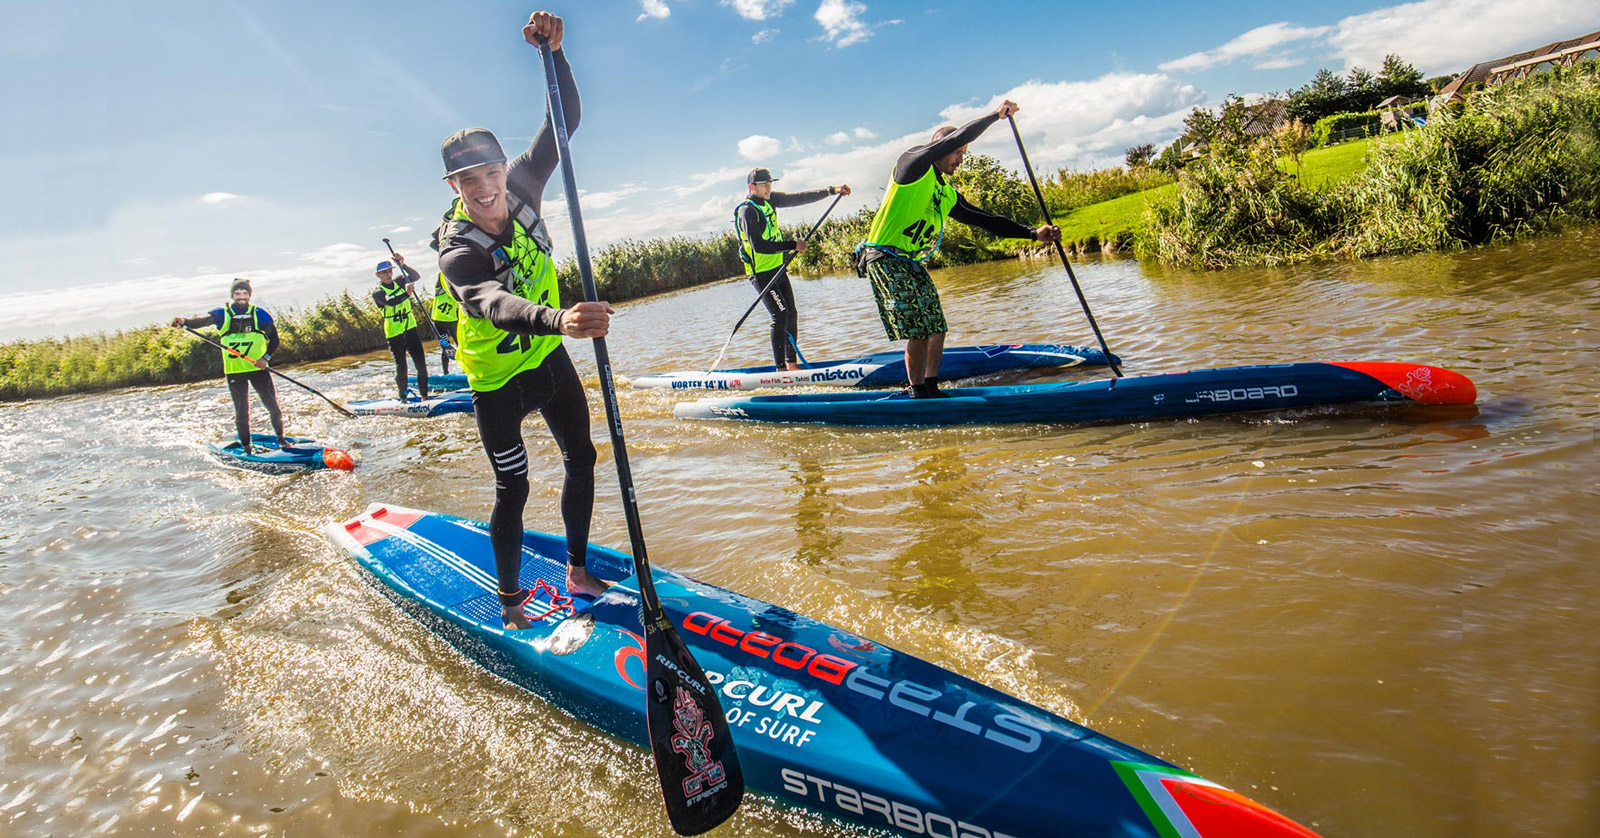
x,y
761,249
249,332
400,322
908,228
494,252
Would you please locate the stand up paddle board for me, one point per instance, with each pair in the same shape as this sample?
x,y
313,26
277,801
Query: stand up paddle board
x,y
455,401
822,718
881,369
1130,399
301,455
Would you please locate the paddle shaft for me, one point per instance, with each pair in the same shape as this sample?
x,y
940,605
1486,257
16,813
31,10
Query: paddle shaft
x,y
312,390
1116,368
414,298
668,663
783,268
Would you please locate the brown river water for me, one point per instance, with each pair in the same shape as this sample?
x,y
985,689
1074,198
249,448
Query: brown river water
x,y
1380,622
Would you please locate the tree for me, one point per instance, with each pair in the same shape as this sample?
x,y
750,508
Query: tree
x,y
1325,95
1359,92
1399,78
995,188
1139,155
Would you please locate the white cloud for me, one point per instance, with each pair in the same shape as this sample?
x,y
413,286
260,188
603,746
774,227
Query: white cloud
x,y
758,9
759,146
705,180
764,36
841,22
603,200
838,138
1257,41
1279,63
218,198
404,228
653,9
1448,36
863,133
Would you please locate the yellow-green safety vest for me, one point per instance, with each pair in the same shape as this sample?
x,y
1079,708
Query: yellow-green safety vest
x,y
398,315
445,305
911,217
491,355
754,262
241,332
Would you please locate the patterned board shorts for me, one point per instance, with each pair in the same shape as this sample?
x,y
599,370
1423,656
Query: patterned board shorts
x,y
907,300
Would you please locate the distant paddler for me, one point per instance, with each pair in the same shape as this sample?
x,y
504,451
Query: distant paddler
x,y
494,251
907,230
445,309
249,332
762,248
393,299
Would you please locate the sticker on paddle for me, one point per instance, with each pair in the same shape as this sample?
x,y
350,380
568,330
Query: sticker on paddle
x,y
689,735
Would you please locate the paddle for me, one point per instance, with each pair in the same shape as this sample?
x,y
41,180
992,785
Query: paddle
x,y
689,737
787,258
445,349
318,393
1062,252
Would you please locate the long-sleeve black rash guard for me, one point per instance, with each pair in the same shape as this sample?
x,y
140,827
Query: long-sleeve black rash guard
x,y
407,276
916,161
470,272
754,221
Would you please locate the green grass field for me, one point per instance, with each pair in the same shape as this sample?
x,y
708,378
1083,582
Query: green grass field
x,y
1118,219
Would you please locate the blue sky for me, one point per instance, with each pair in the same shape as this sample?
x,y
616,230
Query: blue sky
x,y
156,148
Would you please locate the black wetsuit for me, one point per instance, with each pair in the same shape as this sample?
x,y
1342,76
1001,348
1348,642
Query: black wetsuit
x,y
407,342
239,383
552,388
915,162
779,299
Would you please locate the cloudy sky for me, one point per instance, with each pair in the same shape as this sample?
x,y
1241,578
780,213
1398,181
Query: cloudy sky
x,y
157,148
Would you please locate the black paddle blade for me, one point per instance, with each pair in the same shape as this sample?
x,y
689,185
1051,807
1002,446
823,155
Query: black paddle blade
x,y
689,735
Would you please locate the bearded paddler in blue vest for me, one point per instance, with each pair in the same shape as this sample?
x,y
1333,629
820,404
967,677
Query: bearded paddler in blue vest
x,y
252,338
393,298
907,230
494,252
762,248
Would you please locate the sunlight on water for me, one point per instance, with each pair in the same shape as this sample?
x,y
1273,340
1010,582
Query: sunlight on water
x,y
1374,620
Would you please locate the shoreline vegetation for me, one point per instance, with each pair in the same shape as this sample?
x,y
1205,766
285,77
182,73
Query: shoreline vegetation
x,y
1514,160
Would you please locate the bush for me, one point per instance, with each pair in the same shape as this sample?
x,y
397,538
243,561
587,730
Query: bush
x,y
1324,129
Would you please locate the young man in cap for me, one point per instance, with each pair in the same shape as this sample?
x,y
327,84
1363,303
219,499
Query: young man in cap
x,y
907,230
249,332
761,248
400,323
495,255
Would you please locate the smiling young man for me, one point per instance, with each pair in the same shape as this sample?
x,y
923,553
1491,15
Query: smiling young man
x,y
250,332
907,230
761,248
494,253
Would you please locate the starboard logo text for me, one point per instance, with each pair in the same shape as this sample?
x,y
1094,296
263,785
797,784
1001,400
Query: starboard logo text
x,y
901,816
1004,728
1244,394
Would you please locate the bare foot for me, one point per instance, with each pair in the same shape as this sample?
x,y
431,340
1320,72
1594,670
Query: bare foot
x,y
791,367
581,581
512,618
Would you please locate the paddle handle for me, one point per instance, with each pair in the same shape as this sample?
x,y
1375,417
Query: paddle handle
x,y
1116,369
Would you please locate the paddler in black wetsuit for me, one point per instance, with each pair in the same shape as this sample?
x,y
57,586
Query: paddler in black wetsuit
x,y
400,322
907,230
761,248
248,331
494,252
